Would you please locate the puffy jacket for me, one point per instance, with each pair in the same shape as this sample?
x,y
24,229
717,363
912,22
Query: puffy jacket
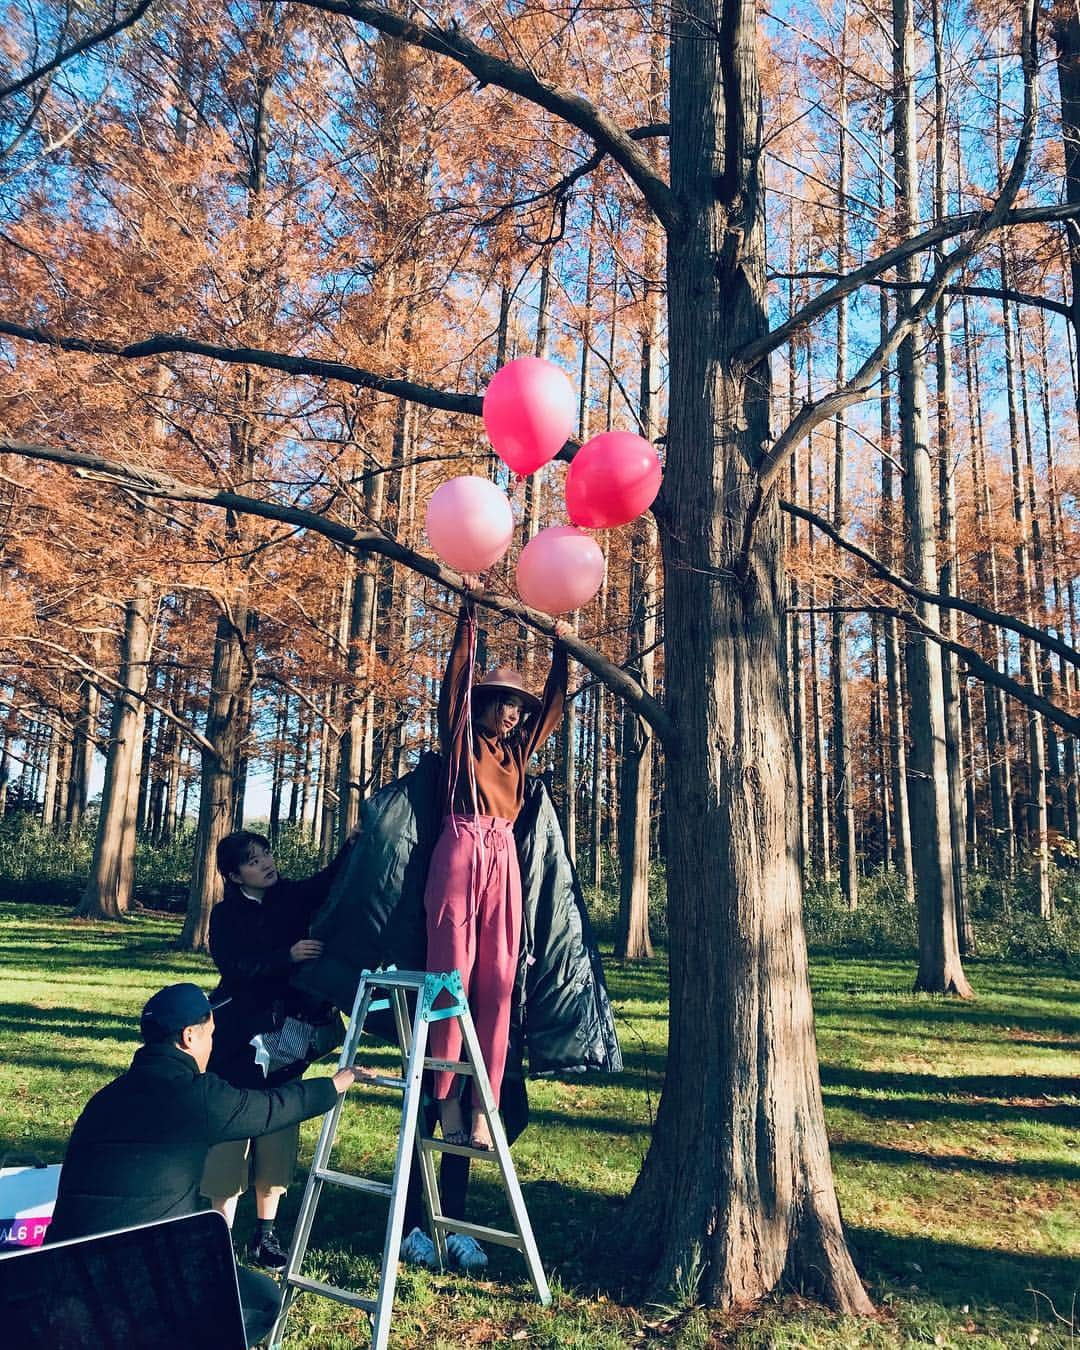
x,y
561,1016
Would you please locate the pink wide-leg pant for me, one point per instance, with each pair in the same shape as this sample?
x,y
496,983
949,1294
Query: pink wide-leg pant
x,y
473,906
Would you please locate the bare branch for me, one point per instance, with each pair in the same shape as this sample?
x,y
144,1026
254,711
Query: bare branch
x,y
812,414
76,49
980,612
99,675
980,668
571,106
363,541
990,292
164,343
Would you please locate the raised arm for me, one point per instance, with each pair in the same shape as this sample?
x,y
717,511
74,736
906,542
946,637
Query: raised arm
x,y
455,692
552,700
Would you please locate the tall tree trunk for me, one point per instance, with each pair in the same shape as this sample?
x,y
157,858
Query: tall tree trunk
x,y
229,677
843,786
889,533
949,572
997,744
737,1179
1065,26
107,894
940,968
633,941
821,851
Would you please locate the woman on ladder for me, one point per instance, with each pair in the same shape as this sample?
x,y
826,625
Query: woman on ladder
x,y
488,732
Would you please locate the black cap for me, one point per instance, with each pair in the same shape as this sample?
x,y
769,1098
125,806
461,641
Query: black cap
x,y
175,1007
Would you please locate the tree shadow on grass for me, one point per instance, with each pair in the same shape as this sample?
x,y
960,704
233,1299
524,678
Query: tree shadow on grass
x,y
961,1014
28,1017
953,1162
1005,1086
955,1274
925,1109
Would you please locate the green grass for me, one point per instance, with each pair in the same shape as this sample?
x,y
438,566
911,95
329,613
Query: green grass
x,y
955,1132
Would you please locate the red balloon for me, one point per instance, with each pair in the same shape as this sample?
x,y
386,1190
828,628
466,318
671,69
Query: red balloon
x,y
529,412
613,478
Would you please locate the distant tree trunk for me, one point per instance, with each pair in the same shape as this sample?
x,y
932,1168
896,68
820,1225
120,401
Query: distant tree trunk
x,y
107,894
228,682
83,749
821,852
940,968
890,527
843,785
997,743
949,572
52,771
1035,815
1065,26
1070,824
633,941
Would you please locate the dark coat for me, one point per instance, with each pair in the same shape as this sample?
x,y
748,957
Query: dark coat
x,y
136,1153
561,1017
250,941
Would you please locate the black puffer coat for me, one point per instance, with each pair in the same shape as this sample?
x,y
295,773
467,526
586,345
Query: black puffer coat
x,y
561,1017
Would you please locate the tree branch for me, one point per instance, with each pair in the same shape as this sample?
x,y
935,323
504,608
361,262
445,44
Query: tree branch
x,y
99,675
1061,212
76,49
939,598
163,343
990,292
571,106
364,541
979,667
813,414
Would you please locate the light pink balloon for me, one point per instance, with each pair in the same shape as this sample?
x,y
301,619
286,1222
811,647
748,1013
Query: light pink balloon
x,y
612,479
530,409
560,569
469,523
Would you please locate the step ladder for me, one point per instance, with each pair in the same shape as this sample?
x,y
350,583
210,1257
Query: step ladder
x,y
412,1036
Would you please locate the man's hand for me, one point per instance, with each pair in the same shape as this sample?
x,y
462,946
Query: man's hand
x,y
470,581
307,949
563,630
345,1078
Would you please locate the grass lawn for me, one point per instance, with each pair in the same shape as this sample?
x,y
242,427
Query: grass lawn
x,y
955,1133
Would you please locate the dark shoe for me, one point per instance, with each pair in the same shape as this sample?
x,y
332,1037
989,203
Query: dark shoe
x,y
267,1251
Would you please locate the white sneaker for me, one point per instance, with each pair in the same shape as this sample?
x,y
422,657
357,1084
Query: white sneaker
x,y
419,1250
465,1252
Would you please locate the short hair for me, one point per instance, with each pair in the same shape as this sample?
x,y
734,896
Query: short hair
x,y
233,850
152,1034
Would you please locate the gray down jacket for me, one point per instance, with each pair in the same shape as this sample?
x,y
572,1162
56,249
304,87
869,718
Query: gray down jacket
x,y
561,1017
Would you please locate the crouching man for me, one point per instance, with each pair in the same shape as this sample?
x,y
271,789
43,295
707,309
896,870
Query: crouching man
x,y
137,1151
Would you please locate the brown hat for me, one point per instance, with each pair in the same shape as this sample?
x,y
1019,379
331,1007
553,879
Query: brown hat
x,y
507,679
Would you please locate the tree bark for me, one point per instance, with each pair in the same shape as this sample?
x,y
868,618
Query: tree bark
x,y
737,1183
940,968
107,894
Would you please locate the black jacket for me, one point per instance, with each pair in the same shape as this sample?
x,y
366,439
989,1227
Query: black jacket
x,y
136,1153
250,941
374,916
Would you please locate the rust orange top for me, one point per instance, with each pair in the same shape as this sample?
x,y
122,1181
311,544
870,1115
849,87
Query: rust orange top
x,y
498,764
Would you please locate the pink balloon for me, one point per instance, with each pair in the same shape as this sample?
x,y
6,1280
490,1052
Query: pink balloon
x,y
469,523
529,411
560,569
613,478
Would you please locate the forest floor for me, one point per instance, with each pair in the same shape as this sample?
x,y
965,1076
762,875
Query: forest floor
x,y
955,1133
